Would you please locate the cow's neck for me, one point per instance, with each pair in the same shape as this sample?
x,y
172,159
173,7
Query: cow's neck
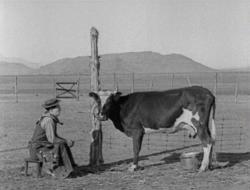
x,y
117,124
115,118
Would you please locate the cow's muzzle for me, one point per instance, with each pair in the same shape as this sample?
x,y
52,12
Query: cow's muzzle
x,y
101,117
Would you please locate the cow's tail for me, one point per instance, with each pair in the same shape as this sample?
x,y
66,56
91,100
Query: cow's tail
x,y
213,155
213,128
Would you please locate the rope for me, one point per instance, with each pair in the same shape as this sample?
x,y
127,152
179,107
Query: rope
x,y
13,149
25,147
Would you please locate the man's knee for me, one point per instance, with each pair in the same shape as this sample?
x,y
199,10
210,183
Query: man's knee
x,y
62,144
60,141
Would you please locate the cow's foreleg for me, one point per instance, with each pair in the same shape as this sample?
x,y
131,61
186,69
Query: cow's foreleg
x,y
137,142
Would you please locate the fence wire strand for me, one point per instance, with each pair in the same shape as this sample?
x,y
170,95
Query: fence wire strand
x,y
233,86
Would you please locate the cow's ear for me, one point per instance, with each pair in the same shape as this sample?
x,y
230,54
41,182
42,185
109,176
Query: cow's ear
x,y
94,95
117,96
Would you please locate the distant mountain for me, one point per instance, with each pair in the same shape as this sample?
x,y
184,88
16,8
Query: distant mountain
x,y
238,69
66,66
140,62
19,60
7,68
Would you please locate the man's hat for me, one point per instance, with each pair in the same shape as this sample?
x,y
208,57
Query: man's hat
x,y
50,103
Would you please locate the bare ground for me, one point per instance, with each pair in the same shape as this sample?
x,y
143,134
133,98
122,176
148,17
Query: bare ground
x,y
156,176
161,166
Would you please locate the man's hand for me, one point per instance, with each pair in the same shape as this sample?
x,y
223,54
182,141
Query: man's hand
x,y
70,143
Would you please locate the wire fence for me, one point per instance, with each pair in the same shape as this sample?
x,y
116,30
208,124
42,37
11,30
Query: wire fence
x,y
230,88
227,86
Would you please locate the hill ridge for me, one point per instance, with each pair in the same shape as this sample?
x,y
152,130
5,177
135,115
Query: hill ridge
x,y
126,62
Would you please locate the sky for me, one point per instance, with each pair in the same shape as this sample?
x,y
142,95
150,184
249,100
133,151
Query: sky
x,y
215,33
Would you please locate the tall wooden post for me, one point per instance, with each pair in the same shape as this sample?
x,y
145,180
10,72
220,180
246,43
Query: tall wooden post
x,y
95,155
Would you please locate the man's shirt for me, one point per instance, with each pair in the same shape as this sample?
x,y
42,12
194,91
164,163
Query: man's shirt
x,y
49,126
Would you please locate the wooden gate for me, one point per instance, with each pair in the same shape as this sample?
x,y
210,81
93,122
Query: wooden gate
x,y
67,90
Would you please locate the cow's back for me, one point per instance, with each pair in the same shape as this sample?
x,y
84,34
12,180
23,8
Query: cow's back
x,y
154,109
159,109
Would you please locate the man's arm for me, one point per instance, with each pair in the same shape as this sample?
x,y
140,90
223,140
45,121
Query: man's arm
x,y
49,126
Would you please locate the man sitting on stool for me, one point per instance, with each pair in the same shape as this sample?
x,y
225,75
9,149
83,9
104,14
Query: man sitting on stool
x,y
45,138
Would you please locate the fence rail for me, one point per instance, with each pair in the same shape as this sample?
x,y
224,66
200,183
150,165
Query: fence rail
x,y
232,86
227,86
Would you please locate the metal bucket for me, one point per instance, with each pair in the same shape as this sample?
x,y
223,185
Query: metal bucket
x,y
189,160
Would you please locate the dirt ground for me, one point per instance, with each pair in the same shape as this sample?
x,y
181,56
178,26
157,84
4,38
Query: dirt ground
x,y
159,175
161,167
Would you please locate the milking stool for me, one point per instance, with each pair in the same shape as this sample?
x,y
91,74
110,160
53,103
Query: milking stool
x,y
39,165
43,157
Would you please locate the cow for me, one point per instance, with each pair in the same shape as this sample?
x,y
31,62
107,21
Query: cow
x,y
191,108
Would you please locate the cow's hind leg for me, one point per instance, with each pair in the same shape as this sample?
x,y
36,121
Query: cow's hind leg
x,y
207,136
137,142
207,148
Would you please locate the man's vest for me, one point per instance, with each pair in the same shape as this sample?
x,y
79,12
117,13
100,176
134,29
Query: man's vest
x,y
39,138
39,134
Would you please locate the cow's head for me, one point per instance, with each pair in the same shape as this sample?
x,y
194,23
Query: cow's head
x,y
106,101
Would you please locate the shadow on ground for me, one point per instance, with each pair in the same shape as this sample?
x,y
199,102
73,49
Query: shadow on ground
x,y
233,158
227,159
222,157
114,166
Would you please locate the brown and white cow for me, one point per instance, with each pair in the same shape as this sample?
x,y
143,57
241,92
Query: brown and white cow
x,y
138,113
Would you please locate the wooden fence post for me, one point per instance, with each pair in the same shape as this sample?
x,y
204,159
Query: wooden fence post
x,y
133,83
54,87
215,85
151,85
78,87
95,154
16,90
172,81
236,89
115,82
188,81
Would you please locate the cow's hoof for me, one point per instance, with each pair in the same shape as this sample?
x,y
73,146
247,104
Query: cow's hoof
x,y
133,168
202,169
